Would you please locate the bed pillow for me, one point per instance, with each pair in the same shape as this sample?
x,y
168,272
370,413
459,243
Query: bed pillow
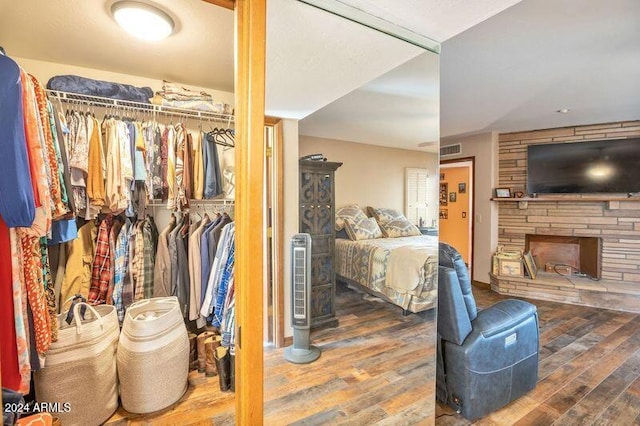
x,y
399,228
352,211
364,229
385,215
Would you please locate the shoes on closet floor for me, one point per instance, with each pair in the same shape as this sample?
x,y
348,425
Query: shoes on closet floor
x,y
210,345
201,351
193,352
223,363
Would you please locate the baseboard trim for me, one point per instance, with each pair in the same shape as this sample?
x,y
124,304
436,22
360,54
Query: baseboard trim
x,y
479,284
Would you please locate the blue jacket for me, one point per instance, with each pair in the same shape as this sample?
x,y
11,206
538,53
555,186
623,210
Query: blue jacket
x,y
17,205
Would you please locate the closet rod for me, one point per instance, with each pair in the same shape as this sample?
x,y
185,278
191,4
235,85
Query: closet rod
x,y
137,106
211,201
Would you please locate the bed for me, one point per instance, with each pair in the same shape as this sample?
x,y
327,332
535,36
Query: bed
x,y
402,270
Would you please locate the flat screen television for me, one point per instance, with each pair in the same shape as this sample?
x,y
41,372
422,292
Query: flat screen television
x,y
602,166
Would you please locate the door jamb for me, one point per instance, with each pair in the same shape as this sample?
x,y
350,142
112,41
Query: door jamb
x,y
471,159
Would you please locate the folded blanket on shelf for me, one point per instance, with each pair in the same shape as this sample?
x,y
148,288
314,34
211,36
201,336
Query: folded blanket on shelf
x,y
105,89
199,105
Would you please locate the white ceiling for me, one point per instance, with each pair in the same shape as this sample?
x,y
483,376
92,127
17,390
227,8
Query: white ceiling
x,y
398,109
505,73
314,57
513,71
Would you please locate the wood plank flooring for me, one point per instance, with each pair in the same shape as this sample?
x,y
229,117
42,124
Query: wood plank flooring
x,y
377,368
589,370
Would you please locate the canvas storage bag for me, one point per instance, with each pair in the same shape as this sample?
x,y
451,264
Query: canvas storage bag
x,y
80,368
153,355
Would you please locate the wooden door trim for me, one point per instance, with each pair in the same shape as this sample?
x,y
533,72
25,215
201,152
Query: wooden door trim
x,y
471,159
250,29
278,229
227,4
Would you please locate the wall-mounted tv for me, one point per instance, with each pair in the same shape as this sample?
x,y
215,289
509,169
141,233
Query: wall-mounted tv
x,y
601,166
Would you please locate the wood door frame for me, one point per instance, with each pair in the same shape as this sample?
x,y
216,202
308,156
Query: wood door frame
x,y
250,43
471,159
278,228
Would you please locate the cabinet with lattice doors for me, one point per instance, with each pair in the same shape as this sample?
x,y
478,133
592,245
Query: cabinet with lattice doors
x,y
317,218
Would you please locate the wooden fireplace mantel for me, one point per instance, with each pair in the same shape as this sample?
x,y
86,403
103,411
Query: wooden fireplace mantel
x,y
613,203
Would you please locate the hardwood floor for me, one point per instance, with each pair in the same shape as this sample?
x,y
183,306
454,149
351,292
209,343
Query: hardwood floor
x,y
589,370
376,368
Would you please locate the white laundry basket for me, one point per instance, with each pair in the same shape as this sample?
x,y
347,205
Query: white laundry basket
x,y
153,355
80,368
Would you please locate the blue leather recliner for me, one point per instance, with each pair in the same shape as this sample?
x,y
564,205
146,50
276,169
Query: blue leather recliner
x,y
486,358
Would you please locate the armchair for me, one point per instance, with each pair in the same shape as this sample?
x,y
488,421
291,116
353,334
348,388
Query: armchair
x,y
486,358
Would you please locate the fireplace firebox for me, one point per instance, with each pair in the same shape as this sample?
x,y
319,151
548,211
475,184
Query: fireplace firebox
x,y
583,254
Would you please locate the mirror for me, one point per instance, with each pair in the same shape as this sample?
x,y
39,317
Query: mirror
x,y
368,103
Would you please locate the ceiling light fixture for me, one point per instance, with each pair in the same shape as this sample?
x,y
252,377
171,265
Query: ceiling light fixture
x,y
142,20
563,110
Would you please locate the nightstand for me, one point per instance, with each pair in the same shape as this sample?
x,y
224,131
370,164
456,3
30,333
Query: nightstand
x,y
428,231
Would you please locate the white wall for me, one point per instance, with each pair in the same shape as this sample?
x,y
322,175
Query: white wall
x,y
373,175
484,148
290,187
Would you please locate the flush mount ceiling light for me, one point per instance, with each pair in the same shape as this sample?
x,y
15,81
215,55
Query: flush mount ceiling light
x,y
563,110
142,20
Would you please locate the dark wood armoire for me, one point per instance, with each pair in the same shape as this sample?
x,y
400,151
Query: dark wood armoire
x,y
317,218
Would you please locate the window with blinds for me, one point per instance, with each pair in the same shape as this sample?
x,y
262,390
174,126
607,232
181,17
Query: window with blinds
x,y
417,194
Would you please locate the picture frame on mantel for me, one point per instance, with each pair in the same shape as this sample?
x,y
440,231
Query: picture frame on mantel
x,y
530,265
510,267
503,192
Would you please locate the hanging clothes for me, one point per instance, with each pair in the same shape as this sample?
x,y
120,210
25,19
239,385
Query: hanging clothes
x,y
197,166
36,155
182,283
195,271
17,204
101,268
9,359
171,168
121,263
162,271
58,208
95,180
77,277
150,238
62,137
212,175
181,168
217,270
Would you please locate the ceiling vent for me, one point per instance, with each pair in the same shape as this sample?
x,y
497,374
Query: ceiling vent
x,y
449,150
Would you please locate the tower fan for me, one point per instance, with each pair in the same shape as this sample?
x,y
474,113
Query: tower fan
x,y
301,352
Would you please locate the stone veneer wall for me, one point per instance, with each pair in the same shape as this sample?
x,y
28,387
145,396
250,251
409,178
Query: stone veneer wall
x,y
617,223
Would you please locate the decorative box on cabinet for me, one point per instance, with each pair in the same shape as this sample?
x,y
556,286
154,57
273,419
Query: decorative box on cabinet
x,y
317,218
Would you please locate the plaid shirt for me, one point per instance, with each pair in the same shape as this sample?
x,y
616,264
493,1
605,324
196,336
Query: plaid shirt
x,y
121,264
221,295
101,267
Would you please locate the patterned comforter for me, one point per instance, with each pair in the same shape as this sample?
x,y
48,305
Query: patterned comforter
x,y
366,263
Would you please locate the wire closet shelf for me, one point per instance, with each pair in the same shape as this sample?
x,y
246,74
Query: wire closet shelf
x,y
98,101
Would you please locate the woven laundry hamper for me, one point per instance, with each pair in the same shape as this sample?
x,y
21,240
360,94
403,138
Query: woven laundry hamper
x,y
153,355
80,368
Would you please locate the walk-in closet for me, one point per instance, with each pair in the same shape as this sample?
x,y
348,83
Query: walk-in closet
x,y
117,207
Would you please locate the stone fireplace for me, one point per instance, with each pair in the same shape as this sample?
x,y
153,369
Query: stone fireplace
x,y
582,254
598,234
